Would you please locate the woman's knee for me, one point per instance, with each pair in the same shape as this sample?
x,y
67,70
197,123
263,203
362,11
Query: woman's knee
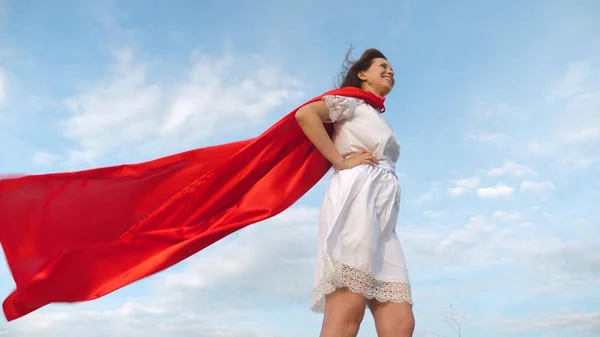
x,y
400,326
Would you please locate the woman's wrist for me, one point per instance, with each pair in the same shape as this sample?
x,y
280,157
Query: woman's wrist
x,y
338,163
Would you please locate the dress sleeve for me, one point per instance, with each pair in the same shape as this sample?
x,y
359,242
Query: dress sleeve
x,y
340,107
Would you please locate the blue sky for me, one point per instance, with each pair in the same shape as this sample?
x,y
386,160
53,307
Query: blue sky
x,y
497,107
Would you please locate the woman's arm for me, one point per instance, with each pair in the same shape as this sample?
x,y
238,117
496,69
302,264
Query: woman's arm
x,y
311,118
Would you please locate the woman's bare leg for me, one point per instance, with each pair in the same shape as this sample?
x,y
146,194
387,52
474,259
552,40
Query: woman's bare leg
x,y
344,311
393,319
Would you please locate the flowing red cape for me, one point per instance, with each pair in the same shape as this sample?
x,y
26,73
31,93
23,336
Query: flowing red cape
x,y
77,236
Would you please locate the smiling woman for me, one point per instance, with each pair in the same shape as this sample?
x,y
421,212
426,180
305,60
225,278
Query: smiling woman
x,y
360,261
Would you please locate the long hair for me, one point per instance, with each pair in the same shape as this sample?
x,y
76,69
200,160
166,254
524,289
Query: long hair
x,y
350,69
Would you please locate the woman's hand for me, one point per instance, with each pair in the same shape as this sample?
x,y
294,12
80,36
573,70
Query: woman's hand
x,y
362,157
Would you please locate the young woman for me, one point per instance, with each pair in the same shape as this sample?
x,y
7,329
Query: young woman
x,y
360,261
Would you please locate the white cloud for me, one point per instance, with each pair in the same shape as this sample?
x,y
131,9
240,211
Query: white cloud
x,y
429,196
536,186
510,216
583,135
502,240
575,141
573,80
128,110
568,260
432,214
423,198
45,158
581,122
496,248
581,321
463,246
139,319
463,185
570,157
511,168
498,191
468,236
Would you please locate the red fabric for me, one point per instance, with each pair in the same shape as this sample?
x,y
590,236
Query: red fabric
x,y
78,236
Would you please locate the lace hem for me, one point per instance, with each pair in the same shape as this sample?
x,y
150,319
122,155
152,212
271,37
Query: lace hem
x,y
338,275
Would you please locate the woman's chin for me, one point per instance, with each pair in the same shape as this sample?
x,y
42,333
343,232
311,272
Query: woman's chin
x,y
385,90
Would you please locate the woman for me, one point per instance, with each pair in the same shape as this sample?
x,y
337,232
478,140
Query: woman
x,y
360,261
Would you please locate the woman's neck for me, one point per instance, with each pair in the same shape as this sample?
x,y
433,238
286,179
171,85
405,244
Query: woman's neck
x,y
367,87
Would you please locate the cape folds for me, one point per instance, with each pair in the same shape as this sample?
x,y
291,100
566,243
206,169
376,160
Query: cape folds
x,y
77,236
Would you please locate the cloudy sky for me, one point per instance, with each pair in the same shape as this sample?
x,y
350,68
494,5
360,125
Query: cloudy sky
x,y
497,107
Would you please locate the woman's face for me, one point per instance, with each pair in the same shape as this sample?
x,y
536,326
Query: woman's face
x,y
379,78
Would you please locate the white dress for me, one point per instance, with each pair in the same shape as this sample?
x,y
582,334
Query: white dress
x,y
358,247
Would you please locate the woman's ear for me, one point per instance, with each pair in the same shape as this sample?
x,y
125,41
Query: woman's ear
x,y
362,76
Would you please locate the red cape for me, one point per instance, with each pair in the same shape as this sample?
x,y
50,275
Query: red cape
x,y
77,236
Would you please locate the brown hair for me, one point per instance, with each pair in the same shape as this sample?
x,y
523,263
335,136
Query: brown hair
x,y
350,69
